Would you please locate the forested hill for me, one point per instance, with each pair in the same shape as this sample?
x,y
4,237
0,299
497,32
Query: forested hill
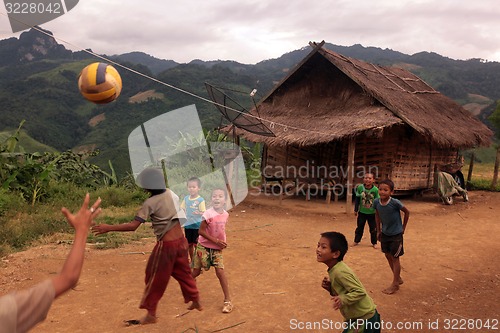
x,y
38,82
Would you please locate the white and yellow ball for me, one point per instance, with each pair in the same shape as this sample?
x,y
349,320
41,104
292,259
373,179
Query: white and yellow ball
x,y
100,83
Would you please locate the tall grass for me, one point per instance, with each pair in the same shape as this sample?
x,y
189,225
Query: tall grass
x,y
21,224
482,176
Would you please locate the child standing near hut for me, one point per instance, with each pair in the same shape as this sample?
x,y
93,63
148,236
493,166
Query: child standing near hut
x,y
212,241
348,294
390,230
366,193
194,206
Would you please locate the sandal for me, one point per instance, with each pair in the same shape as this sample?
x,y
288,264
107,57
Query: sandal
x,y
228,307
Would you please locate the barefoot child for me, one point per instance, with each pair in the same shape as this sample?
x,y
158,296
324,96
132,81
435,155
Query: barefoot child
x,y
169,256
348,294
194,206
390,230
211,242
366,193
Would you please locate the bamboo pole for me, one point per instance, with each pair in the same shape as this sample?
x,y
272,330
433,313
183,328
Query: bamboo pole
x,y
350,174
471,166
495,170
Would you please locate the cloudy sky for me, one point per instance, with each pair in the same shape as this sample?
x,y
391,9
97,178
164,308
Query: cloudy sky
x,y
252,31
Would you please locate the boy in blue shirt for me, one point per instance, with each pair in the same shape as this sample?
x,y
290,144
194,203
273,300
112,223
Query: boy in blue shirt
x,y
390,230
194,206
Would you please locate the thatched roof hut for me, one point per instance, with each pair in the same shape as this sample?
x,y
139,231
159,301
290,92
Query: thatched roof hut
x,y
389,115
332,97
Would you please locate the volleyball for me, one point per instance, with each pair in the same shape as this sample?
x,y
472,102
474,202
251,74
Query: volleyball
x,y
100,83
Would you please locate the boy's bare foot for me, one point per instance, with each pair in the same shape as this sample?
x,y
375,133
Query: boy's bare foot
x,y
400,281
354,244
148,319
391,290
375,246
195,305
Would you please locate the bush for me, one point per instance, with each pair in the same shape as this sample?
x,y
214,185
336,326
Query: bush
x,y
9,201
118,196
64,194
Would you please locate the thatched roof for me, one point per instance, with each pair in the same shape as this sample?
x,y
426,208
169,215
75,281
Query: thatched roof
x,y
331,97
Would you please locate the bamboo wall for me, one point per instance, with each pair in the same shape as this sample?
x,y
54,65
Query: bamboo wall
x,y
399,154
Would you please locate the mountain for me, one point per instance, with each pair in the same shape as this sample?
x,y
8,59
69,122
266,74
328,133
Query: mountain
x,y
30,47
155,65
38,83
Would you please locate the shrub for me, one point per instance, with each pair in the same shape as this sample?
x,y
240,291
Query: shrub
x,y
64,194
118,196
10,201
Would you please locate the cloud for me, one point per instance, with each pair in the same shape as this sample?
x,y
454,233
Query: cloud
x,y
252,31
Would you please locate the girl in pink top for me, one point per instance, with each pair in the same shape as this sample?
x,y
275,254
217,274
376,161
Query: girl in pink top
x,y
212,241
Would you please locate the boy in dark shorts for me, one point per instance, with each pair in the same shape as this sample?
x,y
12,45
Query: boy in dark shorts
x,y
366,193
390,230
194,206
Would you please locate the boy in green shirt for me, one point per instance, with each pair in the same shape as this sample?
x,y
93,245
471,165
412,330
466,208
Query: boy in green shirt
x,y
366,193
349,295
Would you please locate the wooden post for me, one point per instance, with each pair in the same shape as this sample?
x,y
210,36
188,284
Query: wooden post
x,y
495,170
328,195
282,184
471,166
350,174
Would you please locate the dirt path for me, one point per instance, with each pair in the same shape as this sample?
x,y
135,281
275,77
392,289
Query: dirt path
x,y
450,267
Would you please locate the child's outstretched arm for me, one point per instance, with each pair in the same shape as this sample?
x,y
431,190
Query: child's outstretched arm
x,y
81,221
104,228
406,217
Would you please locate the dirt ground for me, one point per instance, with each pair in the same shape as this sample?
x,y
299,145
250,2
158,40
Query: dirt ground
x,y
450,268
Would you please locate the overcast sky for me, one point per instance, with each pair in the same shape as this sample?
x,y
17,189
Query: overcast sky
x,y
252,31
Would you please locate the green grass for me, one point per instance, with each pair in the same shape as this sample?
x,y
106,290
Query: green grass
x,y
482,171
482,176
22,225
482,184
